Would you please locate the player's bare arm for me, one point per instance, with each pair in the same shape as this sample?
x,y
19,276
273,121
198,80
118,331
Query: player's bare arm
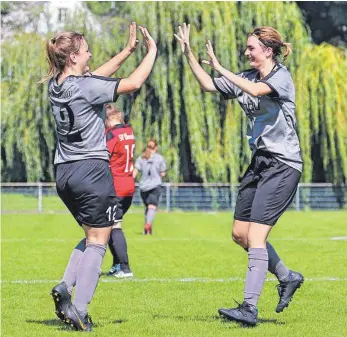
x,y
141,73
252,88
135,172
200,74
110,67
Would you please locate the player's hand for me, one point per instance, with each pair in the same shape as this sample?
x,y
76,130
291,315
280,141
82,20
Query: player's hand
x,y
183,37
213,62
133,42
148,40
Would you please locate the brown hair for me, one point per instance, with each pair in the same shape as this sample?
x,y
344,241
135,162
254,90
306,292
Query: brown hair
x,y
271,38
151,145
58,52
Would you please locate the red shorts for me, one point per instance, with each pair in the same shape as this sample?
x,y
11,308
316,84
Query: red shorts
x,y
124,186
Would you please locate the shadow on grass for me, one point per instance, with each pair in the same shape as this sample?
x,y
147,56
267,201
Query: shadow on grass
x,y
260,321
187,318
45,322
59,324
50,322
214,318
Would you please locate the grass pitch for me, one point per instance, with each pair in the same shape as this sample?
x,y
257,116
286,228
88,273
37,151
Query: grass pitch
x,y
183,273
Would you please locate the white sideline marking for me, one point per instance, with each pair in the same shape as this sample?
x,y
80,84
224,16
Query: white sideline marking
x,y
183,280
343,238
151,238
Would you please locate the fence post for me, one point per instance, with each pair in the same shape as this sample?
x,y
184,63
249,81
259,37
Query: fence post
x,y
39,185
297,198
168,196
233,197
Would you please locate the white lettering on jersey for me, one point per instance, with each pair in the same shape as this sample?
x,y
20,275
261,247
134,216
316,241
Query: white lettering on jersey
x,y
125,136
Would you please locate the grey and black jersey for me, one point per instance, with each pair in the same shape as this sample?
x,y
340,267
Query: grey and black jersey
x,y
77,106
271,118
150,171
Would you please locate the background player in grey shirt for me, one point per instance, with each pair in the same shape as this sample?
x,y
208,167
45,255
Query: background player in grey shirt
x,y
153,167
266,94
83,177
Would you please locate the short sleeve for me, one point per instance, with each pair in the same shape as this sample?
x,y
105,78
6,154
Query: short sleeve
x,y
225,87
111,140
138,164
281,83
98,89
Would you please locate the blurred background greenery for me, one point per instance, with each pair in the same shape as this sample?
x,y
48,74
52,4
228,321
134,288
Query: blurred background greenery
x,y
201,135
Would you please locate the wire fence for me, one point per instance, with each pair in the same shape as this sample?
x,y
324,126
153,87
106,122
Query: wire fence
x,y
42,197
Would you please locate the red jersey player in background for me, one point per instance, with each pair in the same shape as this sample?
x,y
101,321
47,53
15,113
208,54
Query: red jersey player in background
x,y
121,145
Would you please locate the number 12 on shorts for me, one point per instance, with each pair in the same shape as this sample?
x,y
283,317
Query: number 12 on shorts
x,y
111,212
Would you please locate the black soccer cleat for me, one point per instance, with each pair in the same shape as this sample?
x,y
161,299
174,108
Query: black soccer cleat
x,y
74,320
245,313
286,289
61,298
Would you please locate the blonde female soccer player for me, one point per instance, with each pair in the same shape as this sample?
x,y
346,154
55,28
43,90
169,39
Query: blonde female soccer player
x,y
83,177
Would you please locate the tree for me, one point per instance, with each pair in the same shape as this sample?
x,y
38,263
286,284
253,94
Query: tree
x,y
201,135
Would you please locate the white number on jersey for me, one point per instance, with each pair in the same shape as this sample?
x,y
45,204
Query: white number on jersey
x,y
130,156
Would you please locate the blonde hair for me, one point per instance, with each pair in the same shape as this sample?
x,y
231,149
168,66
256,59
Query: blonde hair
x,y
271,38
151,145
112,110
58,52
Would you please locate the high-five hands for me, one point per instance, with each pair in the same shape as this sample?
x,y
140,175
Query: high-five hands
x,y
133,42
183,37
148,40
213,62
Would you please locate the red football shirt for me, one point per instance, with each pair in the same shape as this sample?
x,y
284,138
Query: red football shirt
x,y
120,141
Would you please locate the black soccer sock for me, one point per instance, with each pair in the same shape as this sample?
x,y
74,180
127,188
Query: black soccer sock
x,y
276,266
112,246
120,247
71,269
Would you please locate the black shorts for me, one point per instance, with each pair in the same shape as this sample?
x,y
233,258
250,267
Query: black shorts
x,y
86,188
151,197
266,190
123,204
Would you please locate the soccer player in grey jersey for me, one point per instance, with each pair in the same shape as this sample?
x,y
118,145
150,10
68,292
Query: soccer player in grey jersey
x,y
266,94
83,177
153,168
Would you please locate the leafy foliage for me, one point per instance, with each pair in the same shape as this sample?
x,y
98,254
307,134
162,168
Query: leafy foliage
x,y
201,135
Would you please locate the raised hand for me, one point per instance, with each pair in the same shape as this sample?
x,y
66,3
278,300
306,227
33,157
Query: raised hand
x,y
148,40
133,42
213,62
183,37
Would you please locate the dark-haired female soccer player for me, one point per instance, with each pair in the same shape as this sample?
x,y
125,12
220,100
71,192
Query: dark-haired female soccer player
x,y
266,94
83,177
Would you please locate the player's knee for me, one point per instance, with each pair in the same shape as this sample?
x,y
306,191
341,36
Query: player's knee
x,y
152,206
239,238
